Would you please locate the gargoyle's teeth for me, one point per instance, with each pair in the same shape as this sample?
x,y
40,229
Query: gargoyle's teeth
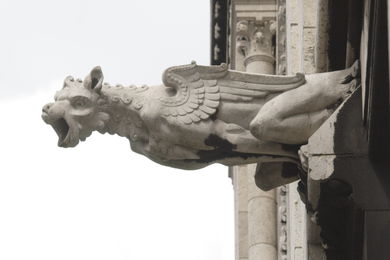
x,y
62,129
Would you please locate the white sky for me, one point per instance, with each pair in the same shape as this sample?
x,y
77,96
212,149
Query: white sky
x,y
100,200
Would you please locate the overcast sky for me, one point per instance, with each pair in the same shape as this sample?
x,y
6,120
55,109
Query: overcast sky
x,y
100,200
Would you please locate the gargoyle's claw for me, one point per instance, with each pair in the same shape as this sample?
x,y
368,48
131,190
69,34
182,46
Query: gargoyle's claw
x,y
355,69
304,158
354,72
347,79
353,85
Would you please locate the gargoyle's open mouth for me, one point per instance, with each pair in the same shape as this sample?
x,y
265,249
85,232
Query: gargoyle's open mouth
x,y
62,129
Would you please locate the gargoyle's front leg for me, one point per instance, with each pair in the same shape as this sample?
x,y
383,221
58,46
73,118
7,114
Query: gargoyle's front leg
x,y
293,116
244,142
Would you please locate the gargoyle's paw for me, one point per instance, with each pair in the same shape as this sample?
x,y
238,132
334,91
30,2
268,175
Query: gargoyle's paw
x,y
350,88
304,157
304,160
355,69
352,73
347,79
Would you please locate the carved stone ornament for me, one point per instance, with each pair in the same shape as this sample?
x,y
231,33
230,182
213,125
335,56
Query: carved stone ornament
x,y
202,114
254,39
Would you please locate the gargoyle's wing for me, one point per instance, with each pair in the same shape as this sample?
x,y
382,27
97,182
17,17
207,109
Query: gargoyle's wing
x,y
244,87
194,92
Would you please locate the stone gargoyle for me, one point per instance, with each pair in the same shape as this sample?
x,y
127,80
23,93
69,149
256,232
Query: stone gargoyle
x,y
202,114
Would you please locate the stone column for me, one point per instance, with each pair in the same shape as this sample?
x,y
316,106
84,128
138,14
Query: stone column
x,y
240,184
255,46
261,220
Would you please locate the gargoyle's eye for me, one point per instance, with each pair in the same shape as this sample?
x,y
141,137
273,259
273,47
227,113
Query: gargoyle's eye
x,y
79,102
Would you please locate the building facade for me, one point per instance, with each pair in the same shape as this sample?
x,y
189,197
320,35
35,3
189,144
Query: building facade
x,y
338,207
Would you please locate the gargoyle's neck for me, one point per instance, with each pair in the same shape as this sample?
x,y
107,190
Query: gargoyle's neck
x,y
123,106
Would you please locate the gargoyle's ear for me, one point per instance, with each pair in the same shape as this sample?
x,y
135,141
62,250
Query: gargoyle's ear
x,y
94,80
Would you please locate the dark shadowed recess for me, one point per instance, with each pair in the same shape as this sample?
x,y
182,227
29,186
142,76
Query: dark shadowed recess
x,y
222,149
219,31
354,204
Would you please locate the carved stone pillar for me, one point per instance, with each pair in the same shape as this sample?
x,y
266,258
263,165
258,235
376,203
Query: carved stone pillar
x,y
261,221
240,184
255,45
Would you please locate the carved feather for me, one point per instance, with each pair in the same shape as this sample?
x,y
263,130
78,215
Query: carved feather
x,y
245,87
214,89
212,96
193,104
201,114
211,103
207,110
194,117
235,98
173,112
181,111
200,89
197,93
243,92
188,108
185,119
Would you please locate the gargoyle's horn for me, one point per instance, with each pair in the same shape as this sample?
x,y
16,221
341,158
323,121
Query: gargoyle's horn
x,y
68,81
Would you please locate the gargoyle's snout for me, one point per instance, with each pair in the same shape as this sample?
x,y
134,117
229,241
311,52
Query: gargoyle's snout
x,y
53,114
45,112
53,111
46,107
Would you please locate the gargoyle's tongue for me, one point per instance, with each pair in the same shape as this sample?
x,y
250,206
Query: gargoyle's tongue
x,y
62,128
